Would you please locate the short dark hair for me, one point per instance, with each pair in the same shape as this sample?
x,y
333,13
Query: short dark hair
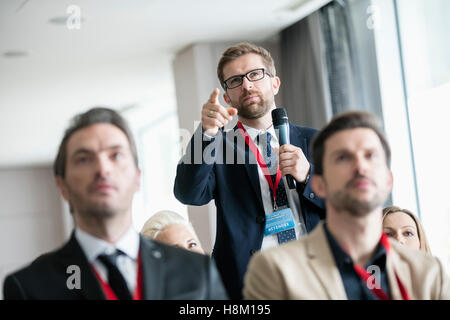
x,y
86,119
345,121
241,49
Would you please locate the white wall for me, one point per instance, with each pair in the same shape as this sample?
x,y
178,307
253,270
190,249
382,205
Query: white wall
x,y
50,93
31,218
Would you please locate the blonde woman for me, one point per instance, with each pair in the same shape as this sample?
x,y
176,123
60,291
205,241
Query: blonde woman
x,y
405,227
171,228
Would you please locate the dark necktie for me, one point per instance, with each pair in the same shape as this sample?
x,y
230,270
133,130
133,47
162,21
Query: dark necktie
x,y
115,279
271,160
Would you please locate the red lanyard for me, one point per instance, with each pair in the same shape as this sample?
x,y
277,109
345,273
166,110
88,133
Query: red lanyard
x,y
109,293
364,275
262,164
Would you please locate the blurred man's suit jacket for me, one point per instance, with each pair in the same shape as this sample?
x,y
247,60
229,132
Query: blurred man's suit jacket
x,y
306,269
167,273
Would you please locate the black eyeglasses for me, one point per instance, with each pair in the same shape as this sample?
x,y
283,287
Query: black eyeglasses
x,y
253,75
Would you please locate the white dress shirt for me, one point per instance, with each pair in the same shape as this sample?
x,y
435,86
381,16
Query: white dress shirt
x,y
126,263
271,241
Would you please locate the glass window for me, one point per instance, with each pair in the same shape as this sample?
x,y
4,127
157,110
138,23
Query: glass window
x,y
425,50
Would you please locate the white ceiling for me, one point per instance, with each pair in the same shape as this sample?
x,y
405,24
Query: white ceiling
x,y
121,54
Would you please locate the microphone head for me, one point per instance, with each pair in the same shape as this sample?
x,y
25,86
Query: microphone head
x,y
279,116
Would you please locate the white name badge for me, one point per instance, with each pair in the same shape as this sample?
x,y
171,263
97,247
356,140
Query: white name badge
x,y
278,221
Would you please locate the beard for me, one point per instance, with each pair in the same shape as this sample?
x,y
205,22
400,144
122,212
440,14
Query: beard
x,y
87,206
343,200
253,110
93,209
99,210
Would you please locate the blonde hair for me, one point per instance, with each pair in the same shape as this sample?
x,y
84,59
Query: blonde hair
x,y
161,220
420,230
241,49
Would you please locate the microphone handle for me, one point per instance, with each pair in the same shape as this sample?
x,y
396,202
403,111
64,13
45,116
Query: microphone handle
x,y
290,181
283,137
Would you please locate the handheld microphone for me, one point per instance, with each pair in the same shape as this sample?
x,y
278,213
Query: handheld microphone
x,y
281,126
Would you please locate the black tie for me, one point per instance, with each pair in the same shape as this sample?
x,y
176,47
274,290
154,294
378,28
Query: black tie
x,y
115,278
271,160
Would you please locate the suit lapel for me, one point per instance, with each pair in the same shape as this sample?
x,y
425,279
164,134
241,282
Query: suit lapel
x,y
252,172
395,266
152,270
72,254
322,262
251,165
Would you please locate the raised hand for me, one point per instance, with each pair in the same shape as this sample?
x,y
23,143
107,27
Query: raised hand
x,y
214,115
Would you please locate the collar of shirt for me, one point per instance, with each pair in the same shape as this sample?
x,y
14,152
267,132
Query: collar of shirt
x,y
341,257
355,287
253,133
93,246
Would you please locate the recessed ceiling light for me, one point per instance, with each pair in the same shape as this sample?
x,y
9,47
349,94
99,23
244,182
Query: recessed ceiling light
x,y
15,54
58,20
62,20
295,5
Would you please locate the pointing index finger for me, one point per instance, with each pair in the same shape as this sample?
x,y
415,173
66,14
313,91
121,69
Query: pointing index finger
x,y
214,96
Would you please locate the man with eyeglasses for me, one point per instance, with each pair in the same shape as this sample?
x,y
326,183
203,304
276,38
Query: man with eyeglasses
x,y
241,169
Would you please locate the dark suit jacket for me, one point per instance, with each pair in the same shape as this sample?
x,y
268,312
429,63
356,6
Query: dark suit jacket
x,y
237,194
167,273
